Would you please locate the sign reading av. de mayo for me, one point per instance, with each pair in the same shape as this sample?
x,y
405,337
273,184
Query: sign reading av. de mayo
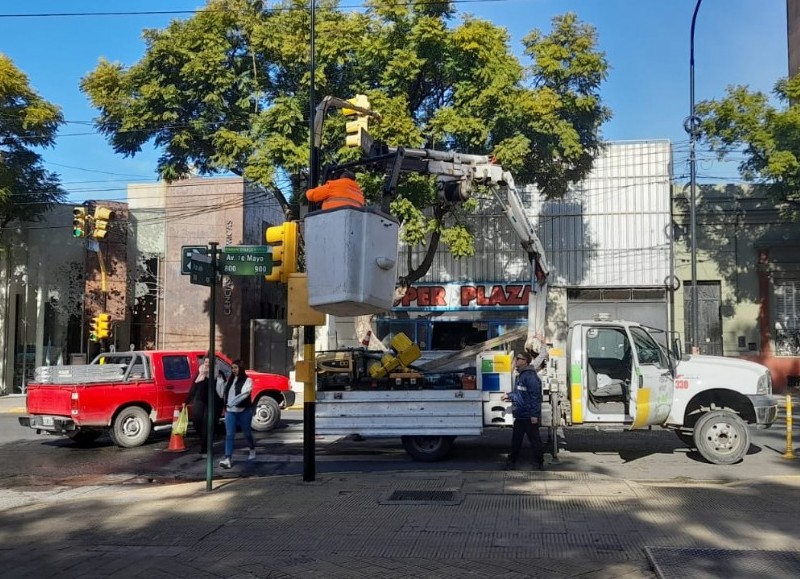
x,y
186,256
246,260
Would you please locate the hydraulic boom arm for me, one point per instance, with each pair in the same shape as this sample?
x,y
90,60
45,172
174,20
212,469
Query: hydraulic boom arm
x,y
457,175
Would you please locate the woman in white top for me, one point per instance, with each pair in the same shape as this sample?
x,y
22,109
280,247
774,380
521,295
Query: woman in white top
x,y
235,393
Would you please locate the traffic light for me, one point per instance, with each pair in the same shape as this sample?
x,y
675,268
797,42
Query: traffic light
x,y
103,326
94,323
102,215
79,222
357,123
100,327
283,239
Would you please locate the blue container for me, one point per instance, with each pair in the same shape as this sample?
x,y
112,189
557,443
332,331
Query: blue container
x,y
490,382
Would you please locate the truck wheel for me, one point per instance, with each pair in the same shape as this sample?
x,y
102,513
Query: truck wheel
x,y
266,414
722,437
131,427
84,437
428,448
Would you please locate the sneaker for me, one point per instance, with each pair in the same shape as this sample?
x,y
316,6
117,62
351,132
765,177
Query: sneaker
x,y
225,462
252,455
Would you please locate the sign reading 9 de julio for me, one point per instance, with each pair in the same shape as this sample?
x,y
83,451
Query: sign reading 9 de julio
x,y
464,296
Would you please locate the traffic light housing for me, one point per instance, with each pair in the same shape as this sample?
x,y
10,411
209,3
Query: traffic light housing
x,y
100,327
357,122
103,326
283,239
79,222
102,215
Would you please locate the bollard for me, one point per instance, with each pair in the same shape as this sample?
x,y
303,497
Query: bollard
x,y
789,454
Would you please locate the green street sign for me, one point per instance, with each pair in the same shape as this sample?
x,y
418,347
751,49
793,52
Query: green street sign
x,y
246,260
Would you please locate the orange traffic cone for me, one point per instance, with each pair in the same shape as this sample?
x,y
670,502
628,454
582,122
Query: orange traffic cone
x,y
176,440
366,340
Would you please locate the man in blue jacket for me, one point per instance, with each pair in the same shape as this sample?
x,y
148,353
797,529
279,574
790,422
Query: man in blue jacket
x,y
527,400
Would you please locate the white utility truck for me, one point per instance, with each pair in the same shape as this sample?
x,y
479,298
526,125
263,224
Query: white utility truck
x,y
608,374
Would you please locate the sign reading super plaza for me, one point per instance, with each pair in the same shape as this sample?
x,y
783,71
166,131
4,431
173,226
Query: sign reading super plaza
x,y
466,296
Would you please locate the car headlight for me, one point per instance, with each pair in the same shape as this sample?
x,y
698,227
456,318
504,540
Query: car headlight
x,y
764,384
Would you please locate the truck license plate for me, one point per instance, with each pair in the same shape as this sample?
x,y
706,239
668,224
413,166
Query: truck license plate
x,y
47,421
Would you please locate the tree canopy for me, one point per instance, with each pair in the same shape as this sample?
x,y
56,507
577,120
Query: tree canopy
x,y
228,91
27,123
768,137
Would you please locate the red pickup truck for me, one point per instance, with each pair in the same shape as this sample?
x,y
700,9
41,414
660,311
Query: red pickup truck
x,y
129,394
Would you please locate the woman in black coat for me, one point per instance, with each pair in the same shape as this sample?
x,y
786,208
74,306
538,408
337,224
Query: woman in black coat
x,y
198,400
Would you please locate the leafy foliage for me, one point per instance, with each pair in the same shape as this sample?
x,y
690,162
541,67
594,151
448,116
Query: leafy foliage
x,y
228,90
768,135
27,123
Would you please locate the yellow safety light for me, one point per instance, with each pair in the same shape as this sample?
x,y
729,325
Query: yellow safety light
x,y
283,239
102,215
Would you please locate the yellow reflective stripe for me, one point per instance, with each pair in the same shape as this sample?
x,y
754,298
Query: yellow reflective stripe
x,y
577,403
642,408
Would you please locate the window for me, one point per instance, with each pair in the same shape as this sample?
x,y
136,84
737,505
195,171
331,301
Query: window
x,y
787,317
176,367
647,349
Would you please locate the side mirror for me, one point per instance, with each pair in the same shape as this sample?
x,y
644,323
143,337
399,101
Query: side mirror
x,y
676,349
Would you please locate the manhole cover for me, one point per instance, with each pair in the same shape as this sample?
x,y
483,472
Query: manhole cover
x,y
412,497
698,563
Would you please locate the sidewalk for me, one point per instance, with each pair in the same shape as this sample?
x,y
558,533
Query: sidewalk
x,y
12,404
426,523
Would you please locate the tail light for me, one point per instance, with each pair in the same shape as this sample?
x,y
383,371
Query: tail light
x,y
74,403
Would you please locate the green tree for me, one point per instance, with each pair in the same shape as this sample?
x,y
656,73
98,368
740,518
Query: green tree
x,y
768,136
27,122
228,90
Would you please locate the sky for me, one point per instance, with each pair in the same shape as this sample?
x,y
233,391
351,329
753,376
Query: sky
x,y
646,42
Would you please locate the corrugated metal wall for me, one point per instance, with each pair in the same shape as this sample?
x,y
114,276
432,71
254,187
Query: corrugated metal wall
x,y
611,230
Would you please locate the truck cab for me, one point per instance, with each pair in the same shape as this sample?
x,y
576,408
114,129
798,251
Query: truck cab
x,y
618,373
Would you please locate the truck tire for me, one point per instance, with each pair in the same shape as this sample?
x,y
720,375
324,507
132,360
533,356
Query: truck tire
x,y
266,414
84,437
721,437
428,448
131,427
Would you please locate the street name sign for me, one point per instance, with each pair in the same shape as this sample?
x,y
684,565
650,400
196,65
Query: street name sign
x,y
200,270
246,260
186,256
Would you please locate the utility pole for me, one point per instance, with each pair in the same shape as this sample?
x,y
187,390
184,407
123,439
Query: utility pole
x,y
692,125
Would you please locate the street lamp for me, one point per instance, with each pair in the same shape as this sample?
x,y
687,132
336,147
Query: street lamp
x,y
691,125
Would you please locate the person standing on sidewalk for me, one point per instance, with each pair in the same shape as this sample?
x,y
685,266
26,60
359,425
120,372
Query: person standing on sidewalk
x,y
527,400
235,392
198,400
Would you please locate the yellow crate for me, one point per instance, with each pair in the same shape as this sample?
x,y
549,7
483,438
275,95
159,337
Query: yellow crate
x,y
390,362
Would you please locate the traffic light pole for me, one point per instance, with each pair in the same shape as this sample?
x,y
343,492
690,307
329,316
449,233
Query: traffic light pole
x,y
309,387
212,376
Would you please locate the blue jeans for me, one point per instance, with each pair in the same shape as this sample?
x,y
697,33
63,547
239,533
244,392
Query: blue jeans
x,y
242,419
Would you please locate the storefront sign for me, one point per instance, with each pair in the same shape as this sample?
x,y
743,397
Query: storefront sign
x,y
454,297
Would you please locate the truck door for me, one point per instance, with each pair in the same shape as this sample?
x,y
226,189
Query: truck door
x,y
652,384
177,381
